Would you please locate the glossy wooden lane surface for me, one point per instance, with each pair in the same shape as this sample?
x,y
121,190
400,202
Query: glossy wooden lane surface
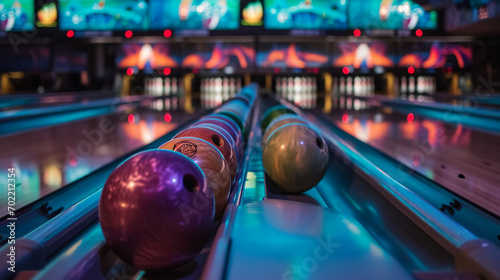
x,y
463,160
50,158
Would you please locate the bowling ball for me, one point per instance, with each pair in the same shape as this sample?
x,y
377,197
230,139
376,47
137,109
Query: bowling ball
x,y
279,122
224,118
156,210
244,98
240,101
237,104
273,113
227,127
236,118
234,109
295,157
217,139
226,134
211,162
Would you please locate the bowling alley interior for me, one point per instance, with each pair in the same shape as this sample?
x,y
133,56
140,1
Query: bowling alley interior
x,y
250,139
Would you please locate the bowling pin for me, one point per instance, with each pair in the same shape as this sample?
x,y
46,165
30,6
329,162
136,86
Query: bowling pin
x,y
364,86
411,85
420,84
308,83
349,86
174,86
335,87
166,86
225,95
357,86
357,104
290,89
342,90
297,98
232,86
284,87
403,85
168,103
297,83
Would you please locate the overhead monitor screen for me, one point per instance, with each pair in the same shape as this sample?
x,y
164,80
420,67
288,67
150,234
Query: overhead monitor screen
x,y
389,14
305,14
103,15
17,15
195,14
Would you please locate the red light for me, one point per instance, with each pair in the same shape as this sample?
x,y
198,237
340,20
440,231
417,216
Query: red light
x,y
419,32
131,119
128,34
167,33
345,118
73,162
411,70
449,70
167,71
345,70
70,33
410,118
130,71
168,117
356,32
195,70
316,70
277,70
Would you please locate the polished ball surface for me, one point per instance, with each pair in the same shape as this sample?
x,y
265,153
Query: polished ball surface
x,y
273,113
217,139
227,127
281,121
211,162
235,117
156,210
295,157
223,132
224,118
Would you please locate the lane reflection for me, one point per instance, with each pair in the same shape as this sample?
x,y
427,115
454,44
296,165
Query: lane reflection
x,y
50,158
464,160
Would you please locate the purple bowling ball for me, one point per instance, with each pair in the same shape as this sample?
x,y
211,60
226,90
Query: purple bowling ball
x,y
156,210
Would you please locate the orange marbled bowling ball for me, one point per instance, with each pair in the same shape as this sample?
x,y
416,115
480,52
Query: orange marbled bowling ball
x,y
211,162
217,139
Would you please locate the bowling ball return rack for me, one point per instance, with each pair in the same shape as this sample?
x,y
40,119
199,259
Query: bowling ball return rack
x,y
316,235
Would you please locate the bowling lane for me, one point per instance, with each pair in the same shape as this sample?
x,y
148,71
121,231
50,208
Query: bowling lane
x,y
30,101
50,158
463,160
341,194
